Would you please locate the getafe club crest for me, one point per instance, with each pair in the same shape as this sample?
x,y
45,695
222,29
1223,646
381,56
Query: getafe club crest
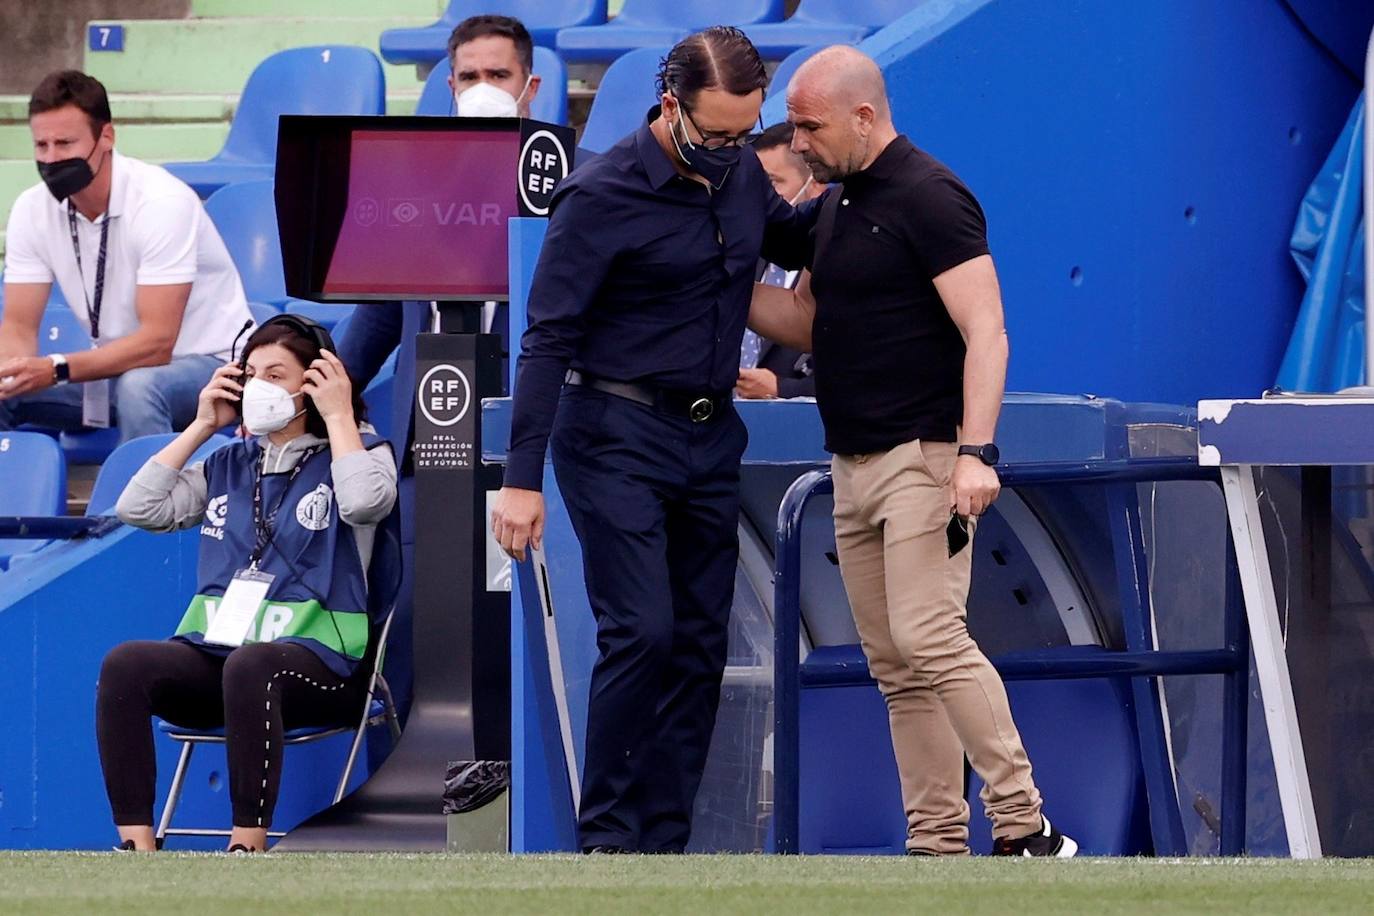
x,y
313,509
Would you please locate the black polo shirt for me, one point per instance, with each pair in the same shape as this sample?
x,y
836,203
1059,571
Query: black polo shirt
x,y
645,276
889,360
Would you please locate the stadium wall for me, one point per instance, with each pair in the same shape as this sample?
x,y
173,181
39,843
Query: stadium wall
x,y
1141,166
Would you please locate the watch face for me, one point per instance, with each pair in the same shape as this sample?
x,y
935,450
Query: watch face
x,y
990,454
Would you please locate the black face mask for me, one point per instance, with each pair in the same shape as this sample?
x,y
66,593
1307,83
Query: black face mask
x,y
714,165
67,176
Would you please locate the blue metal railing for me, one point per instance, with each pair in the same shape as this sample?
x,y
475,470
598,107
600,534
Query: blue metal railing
x,y
56,527
1139,661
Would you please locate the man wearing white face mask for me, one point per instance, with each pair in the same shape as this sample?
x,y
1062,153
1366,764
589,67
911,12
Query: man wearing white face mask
x,y
768,369
491,59
493,68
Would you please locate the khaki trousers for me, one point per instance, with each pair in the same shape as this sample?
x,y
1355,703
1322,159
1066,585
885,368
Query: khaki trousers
x,y
908,596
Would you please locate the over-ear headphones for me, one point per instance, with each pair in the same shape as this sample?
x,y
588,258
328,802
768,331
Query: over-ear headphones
x,y
306,327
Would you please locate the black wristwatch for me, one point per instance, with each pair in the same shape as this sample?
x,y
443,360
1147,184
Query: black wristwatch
x,y
988,454
61,372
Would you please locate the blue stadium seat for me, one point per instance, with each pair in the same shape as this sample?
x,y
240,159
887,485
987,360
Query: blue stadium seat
x,y
89,446
125,461
245,214
35,483
777,85
551,104
315,80
654,23
55,297
61,332
825,22
378,398
329,314
627,92
544,19
261,311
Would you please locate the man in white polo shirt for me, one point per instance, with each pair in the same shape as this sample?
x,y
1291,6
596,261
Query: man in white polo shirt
x,y
138,259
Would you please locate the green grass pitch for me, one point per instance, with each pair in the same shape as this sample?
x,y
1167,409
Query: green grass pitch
x,y
488,885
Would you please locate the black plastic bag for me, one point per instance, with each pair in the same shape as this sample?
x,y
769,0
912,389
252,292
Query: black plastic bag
x,y
470,784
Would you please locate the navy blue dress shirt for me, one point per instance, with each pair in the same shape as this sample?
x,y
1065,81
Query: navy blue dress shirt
x,y
645,276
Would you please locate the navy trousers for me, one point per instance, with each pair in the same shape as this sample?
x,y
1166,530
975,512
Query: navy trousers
x,y
654,500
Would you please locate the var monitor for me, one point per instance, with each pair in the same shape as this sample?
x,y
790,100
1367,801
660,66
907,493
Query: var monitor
x,y
409,207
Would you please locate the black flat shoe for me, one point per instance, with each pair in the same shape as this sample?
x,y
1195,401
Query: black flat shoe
x,y
605,849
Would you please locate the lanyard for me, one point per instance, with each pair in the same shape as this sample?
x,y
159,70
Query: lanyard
x,y
263,527
92,308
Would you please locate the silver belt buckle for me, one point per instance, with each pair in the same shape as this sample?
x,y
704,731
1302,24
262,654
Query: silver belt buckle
x,y
701,410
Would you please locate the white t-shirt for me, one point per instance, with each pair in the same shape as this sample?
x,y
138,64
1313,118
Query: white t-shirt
x,y
159,235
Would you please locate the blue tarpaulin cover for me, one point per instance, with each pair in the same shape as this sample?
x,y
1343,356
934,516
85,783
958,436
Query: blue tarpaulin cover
x,y
1326,351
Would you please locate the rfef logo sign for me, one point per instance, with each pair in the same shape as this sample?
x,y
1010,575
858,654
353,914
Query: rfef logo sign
x,y
544,162
445,395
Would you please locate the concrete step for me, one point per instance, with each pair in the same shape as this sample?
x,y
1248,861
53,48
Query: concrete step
x,y
15,176
173,107
226,9
217,55
156,140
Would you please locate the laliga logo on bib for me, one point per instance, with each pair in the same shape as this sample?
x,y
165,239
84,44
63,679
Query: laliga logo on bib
x,y
313,510
216,514
217,511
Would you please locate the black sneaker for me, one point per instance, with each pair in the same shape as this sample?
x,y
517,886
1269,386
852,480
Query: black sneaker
x,y
1046,843
605,849
126,846
238,849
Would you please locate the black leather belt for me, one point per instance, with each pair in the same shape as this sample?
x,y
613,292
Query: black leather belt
x,y
696,407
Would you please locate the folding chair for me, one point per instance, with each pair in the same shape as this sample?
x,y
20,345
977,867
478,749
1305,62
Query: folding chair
x,y
377,708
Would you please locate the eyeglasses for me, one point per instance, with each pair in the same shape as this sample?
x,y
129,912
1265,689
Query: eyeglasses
x,y
719,142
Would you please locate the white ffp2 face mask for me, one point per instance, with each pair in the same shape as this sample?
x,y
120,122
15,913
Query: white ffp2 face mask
x,y
267,407
483,100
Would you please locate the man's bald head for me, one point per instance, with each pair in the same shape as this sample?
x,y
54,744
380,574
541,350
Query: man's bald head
x,y
837,101
843,77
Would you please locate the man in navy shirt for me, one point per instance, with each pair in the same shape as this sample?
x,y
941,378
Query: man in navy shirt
x,y
637,311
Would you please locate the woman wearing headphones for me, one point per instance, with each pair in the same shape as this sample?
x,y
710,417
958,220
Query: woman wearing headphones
x,y
278,634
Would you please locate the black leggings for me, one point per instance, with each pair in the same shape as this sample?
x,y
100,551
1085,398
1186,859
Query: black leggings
x,y
256,692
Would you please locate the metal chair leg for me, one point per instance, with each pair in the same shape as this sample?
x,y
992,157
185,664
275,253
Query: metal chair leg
x,y
393,720
174,794
353,752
